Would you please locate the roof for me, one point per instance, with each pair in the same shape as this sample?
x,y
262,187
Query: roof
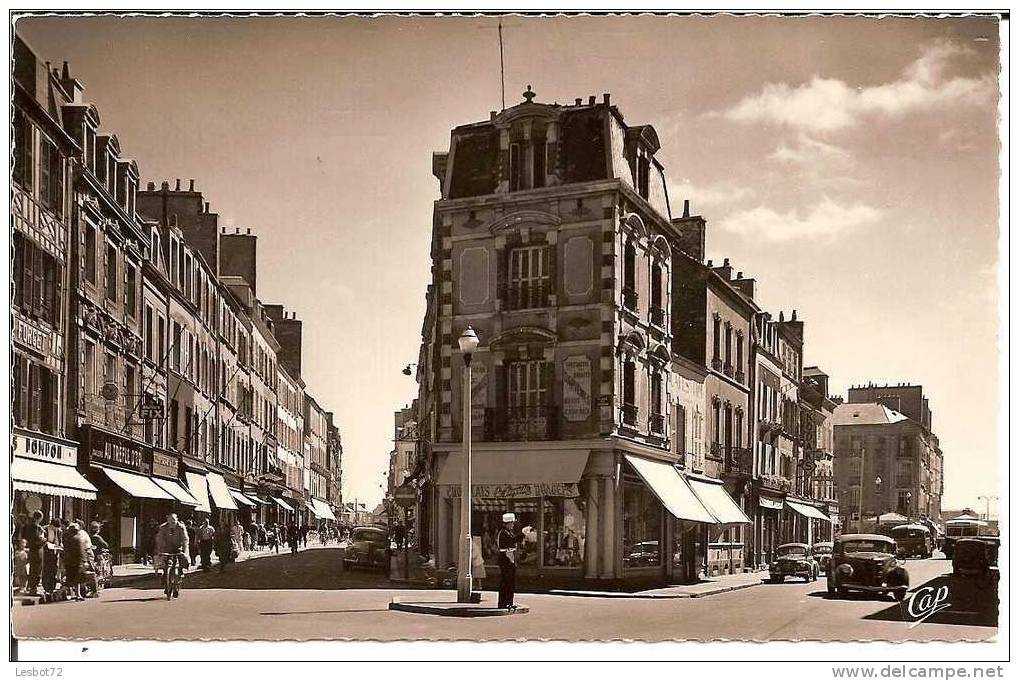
x,y
864,537
795,543
912,526
867,414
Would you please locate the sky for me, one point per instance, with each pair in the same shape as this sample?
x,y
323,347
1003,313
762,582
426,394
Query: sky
x,y
849,164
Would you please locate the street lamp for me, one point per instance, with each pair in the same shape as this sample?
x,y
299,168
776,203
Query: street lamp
x,y
879,501
468,343
987,505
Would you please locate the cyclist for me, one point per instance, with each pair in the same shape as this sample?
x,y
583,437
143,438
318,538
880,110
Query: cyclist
x,y
172,537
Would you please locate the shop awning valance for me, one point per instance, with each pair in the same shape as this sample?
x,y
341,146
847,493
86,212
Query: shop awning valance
x,y
220,492
717,500
807,510
282,504
322,509
241,499
43,477
177,491
516,467
138,486
199,488
671,489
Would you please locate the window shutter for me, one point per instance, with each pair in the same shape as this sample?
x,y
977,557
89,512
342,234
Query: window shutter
x,y
35,396
57,182
552,285
39,305
502,276
20,390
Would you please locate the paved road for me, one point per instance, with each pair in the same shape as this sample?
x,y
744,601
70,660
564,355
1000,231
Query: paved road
x,y
307,597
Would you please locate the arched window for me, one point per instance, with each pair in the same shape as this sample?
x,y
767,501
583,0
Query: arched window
x,y
629,392
630,276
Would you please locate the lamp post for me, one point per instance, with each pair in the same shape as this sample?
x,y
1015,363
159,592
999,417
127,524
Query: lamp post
x,y
878,500
987,504
468,343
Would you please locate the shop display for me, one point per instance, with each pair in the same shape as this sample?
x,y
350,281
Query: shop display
x,y
642,527
564,530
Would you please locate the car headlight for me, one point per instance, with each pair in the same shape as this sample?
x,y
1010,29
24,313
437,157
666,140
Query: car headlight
x,y
845,570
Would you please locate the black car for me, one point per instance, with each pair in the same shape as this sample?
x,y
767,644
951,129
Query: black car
x,y
867,562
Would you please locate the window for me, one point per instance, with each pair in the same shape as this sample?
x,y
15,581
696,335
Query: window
x,y
716,420
642,527
89,370
657,423
132,286
112,272
643,173
516,167
538,149
728,348
177,342
656,285
679,436
23,150
161,357
90,254
903,501
36,281
149,349
528,387
129,394
716,336
528,277
739,352
35,396
564,529
738,432
51,177
630,276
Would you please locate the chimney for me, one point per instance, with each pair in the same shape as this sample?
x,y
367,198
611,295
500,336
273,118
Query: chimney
x,y
781,316
739,275
686,208
191,185
165,186
249,231
591,100
607,97
492,115
206,206
65,72
237,230
151,186
794,315
178,185
709,263
578,101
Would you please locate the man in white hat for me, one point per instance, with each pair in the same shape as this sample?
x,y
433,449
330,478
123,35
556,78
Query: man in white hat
x,y
507,541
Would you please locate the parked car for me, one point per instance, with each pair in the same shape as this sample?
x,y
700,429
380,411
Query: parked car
x,y
821,552
367,547
643,554
957,528
869,563
976,557
913,540
793,560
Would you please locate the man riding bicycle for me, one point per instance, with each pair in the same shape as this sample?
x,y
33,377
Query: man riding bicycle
x,y
172,538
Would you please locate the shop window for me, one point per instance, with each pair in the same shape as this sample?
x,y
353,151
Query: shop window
x,y
564,531
486,521
642,527
528,285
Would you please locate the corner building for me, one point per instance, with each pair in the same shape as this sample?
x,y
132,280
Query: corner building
x,y
554,240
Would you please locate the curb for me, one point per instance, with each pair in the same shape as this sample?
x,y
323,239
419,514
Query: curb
x,y
649,595
456,609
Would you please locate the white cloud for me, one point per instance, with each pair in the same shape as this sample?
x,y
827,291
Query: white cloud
x,y
826,220
826,104
714,194
809,151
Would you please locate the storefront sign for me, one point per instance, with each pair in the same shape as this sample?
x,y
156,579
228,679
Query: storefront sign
x,y
28,334
577,388
44,450
528,490
405,496
164,465
106,448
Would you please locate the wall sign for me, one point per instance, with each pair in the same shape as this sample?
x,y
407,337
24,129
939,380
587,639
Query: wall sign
x,y
28,334
30,447
106,448
577,388
164,465
527,490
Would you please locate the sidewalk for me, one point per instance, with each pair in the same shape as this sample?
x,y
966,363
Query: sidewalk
x,y
706,587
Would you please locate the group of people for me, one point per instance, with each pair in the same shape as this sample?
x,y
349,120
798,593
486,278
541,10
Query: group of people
x,y
40,550
273,535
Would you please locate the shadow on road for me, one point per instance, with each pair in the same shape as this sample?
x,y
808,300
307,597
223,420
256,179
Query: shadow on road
x,y
133,600
968,604
323,612
319,569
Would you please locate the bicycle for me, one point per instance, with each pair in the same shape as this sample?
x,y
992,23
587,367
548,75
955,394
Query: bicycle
x,y
173,573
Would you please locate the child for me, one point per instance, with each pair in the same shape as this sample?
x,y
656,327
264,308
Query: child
x,y
21,565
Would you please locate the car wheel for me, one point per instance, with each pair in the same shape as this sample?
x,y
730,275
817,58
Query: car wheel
x,y
899,594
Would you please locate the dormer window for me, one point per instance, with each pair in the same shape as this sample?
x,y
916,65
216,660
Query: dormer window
x,y
643,173
527,164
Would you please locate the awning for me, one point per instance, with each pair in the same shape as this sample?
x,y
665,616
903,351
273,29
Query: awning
x,y
717,500
199,488
517,467
771,504
311,508
177,491
322,509
220,492
241,499
671,489
807,510
136,485
282,504
54,479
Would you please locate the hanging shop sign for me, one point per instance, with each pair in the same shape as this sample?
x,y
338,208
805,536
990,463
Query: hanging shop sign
x,y
405,496
577,388
528,490
31,447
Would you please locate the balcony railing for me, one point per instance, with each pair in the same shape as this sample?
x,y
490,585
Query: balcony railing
x,y
525,295
740,376
629,414
727,369
515,424
716,363
738,460
657,424
657,316
629,298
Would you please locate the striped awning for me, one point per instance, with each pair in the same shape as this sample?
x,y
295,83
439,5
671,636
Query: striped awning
x,y
199,488
43,477
177,491
241,499
282,504
138,486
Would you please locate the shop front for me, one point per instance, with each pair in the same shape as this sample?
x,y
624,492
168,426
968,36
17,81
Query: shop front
x,y
810,523
166,474
129,500
725,548
224,506
768,526
44,477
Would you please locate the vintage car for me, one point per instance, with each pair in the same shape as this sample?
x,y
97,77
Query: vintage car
x,y
367,547
866,562
913,539
976,557
821,552
793,560
957,528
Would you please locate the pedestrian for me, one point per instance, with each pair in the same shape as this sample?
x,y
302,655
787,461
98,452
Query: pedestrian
x,y
148,541
35,542
21,565
225,546
304,534
293,536
76,560
193,547
206,536
507,542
